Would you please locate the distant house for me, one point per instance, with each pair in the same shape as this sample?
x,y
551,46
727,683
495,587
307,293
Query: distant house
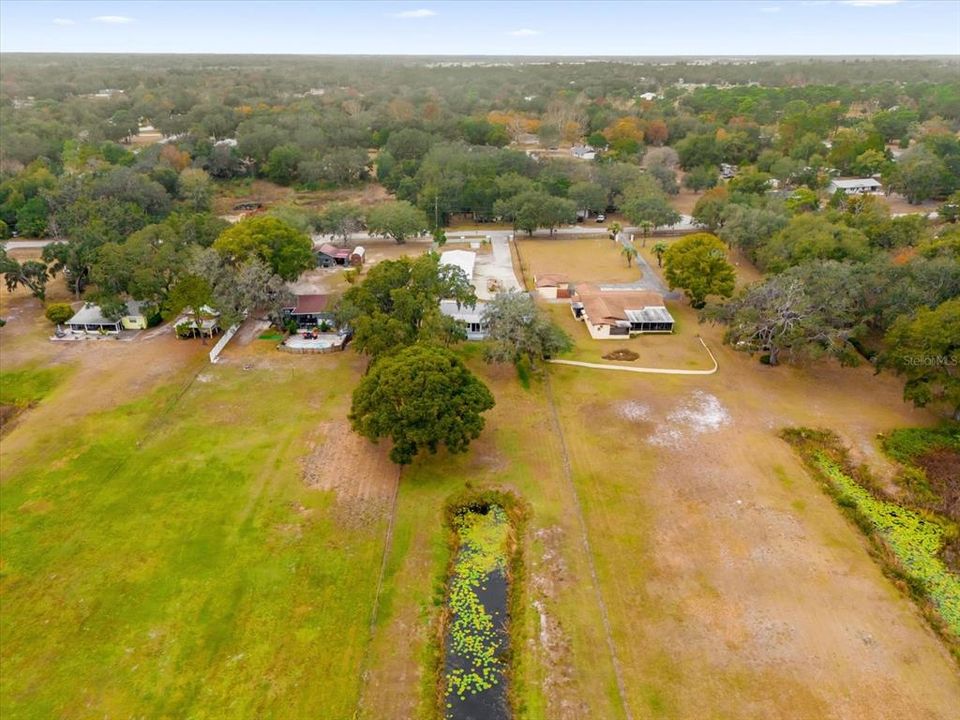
x,y
463,259
311,311
649,96
728,171
551,286
611,314
855,186
358,256
471,317
90,318
583,152
330,255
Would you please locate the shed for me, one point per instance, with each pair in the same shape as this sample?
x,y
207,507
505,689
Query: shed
x,y
358,256
552,286
330,255
186,326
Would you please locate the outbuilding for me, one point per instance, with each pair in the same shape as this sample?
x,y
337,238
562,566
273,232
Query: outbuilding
x,y
330,256
358,256
552,286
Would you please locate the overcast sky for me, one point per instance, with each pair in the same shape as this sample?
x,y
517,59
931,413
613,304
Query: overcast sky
x,y
762,27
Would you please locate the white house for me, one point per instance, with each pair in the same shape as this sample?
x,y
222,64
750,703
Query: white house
x,y
855,186
612,314
471,317
583,152
649,96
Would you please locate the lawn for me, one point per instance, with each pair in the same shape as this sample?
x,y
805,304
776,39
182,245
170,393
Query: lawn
x,y
26,386
164,559
680,350
595,259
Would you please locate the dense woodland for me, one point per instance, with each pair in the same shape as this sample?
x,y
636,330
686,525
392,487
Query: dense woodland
x,y
447,138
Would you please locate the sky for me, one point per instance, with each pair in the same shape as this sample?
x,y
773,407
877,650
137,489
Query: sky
x,y
750,27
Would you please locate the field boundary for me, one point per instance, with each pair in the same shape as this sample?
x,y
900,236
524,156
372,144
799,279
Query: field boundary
x,y
384,559
585,541
654,371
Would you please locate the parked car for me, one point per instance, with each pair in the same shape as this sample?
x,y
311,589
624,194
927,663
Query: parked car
x,y
601,218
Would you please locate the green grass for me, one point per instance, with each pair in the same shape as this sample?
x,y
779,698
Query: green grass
x,y
29,385
915,539
176,566
907,444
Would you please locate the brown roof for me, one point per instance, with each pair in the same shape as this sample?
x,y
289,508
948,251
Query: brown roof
x,y
551,280
334,251
604,307
311,304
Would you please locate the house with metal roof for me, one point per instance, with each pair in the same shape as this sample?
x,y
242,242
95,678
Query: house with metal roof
x,y
330,255
90,319
471,317
855,186
463,259
311,311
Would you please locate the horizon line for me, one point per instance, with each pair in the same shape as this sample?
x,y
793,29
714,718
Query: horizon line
x,y
946,56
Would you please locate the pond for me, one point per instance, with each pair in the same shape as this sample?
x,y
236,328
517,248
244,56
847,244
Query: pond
x,y
477,635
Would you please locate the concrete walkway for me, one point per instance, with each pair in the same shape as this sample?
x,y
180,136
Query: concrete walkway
x,y
651,371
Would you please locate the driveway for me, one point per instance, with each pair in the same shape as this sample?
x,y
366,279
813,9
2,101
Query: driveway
x,y
497,266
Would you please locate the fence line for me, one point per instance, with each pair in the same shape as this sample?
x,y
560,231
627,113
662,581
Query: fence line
x,y
222,342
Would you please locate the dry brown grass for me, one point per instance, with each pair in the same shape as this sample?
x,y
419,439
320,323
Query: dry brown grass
x,y
585,259
734,586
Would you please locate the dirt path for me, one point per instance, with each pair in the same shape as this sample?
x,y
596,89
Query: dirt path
x,y
652,371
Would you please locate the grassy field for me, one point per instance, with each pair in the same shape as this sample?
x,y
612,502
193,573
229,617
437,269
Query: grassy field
x,y
163,556
579,259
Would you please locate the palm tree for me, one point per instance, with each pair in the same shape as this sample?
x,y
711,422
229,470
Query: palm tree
x,y
615,229
659,249
629,252
646,226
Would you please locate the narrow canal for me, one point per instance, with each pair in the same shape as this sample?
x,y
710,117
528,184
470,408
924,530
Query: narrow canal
x,y
477,633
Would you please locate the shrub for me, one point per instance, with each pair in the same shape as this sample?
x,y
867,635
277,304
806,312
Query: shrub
x,y
58,313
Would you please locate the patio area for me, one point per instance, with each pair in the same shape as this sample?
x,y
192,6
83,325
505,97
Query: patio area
x,y
320,343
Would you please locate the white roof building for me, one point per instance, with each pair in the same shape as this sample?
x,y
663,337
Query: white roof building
x,y
463,259
855,185
583,152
